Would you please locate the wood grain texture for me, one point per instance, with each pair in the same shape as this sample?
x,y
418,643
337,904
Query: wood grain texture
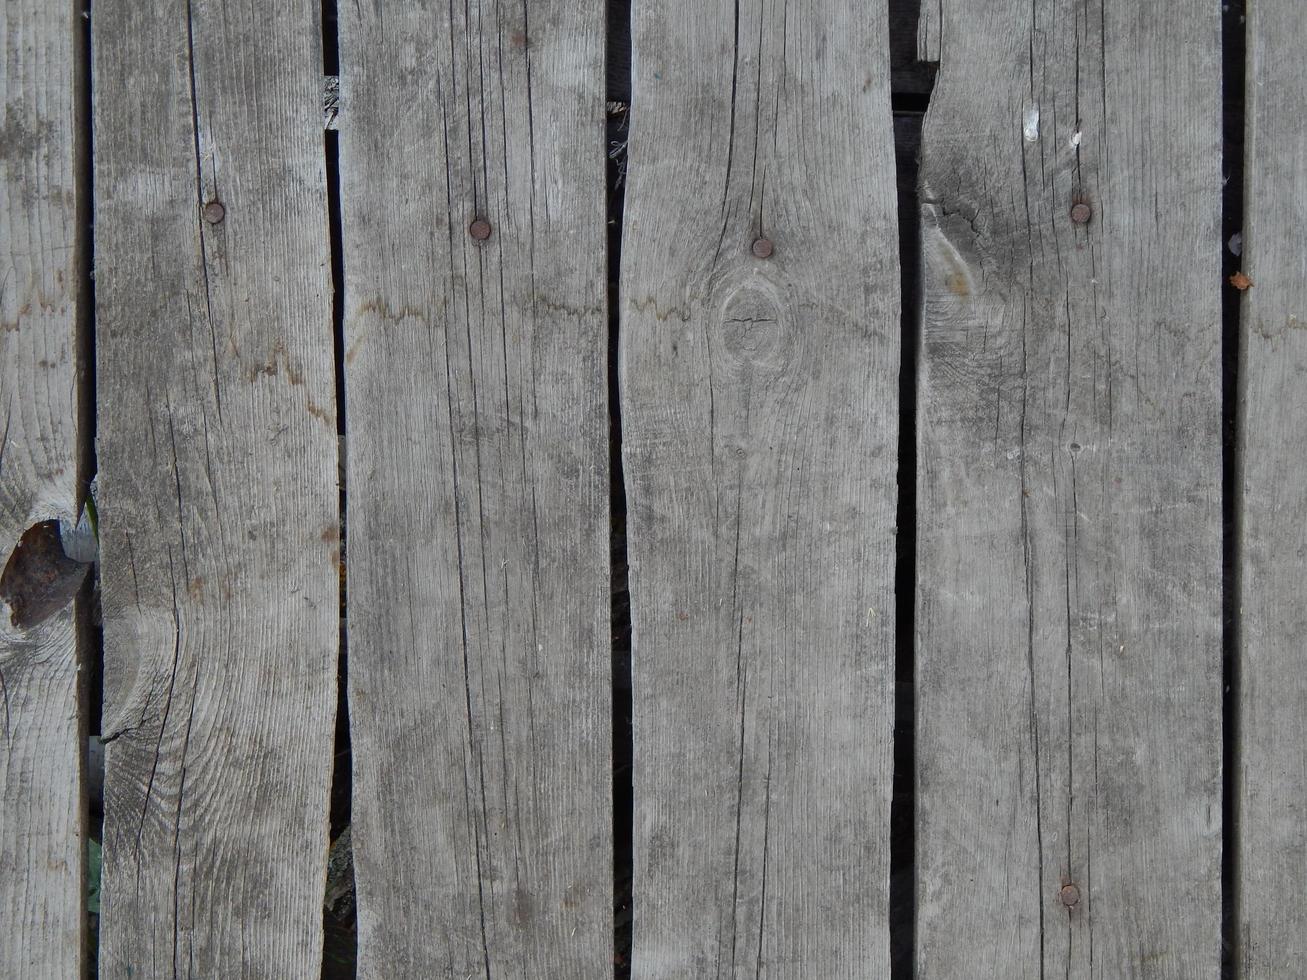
x,y
41,801
1068,611
908,76
759,407
930,24
219,512
1271,779
478,487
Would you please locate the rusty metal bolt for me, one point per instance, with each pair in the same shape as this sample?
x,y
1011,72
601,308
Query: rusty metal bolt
x,y
1070,895
1081,213
479,229
763,248
214,212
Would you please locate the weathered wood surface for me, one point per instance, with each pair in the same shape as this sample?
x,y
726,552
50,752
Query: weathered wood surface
x,y
1068,634
1271,781
908,76
41,809
759,407
219,513
479,677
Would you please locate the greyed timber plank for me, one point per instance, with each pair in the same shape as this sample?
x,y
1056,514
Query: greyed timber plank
x,y
759,408
42,806
479,669
1069,522
1271,783
219,512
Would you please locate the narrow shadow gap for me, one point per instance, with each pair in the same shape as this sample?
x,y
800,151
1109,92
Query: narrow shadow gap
x,y
618,93
339,918
911,85
86,394
90,631
902,925
1234,45
910,103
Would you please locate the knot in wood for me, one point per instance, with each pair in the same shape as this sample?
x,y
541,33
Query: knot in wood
x,y
751,323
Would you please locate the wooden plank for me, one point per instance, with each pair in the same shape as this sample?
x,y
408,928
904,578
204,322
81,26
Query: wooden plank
x,y
1069,525
219,513
908,76
478,487
42,809
1271,778
759,408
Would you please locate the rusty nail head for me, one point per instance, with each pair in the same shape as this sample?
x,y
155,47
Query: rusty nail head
x,y
1070,895
1081,213
214,212
479,229
762,248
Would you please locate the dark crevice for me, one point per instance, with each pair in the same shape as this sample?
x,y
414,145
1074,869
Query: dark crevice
x,y
339,921
86,416
1234,44
902,925
618,77
90,635
909,102
911,85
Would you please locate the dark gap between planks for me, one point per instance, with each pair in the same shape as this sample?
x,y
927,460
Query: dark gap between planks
x,y
911,84
339,918
1234,45
617,71
90,629
907,142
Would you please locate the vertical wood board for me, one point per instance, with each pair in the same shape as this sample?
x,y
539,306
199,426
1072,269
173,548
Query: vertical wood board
x,y
1271,846
1068,609
759,409
479,677
41,795
219,514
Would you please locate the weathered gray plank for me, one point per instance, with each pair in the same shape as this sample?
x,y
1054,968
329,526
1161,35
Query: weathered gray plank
x,y
478,487
41,801
219,514
1068,610
760,430
908,76
1272,512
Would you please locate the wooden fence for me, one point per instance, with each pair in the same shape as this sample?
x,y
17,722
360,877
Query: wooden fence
x,y
965,508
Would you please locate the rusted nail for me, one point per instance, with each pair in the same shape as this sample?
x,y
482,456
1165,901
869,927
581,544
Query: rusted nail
x,y
1081,213
1070,895
479,229
214,212
762,248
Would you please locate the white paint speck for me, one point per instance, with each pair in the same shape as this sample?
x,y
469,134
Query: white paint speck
x,y
1075,139
1030,124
